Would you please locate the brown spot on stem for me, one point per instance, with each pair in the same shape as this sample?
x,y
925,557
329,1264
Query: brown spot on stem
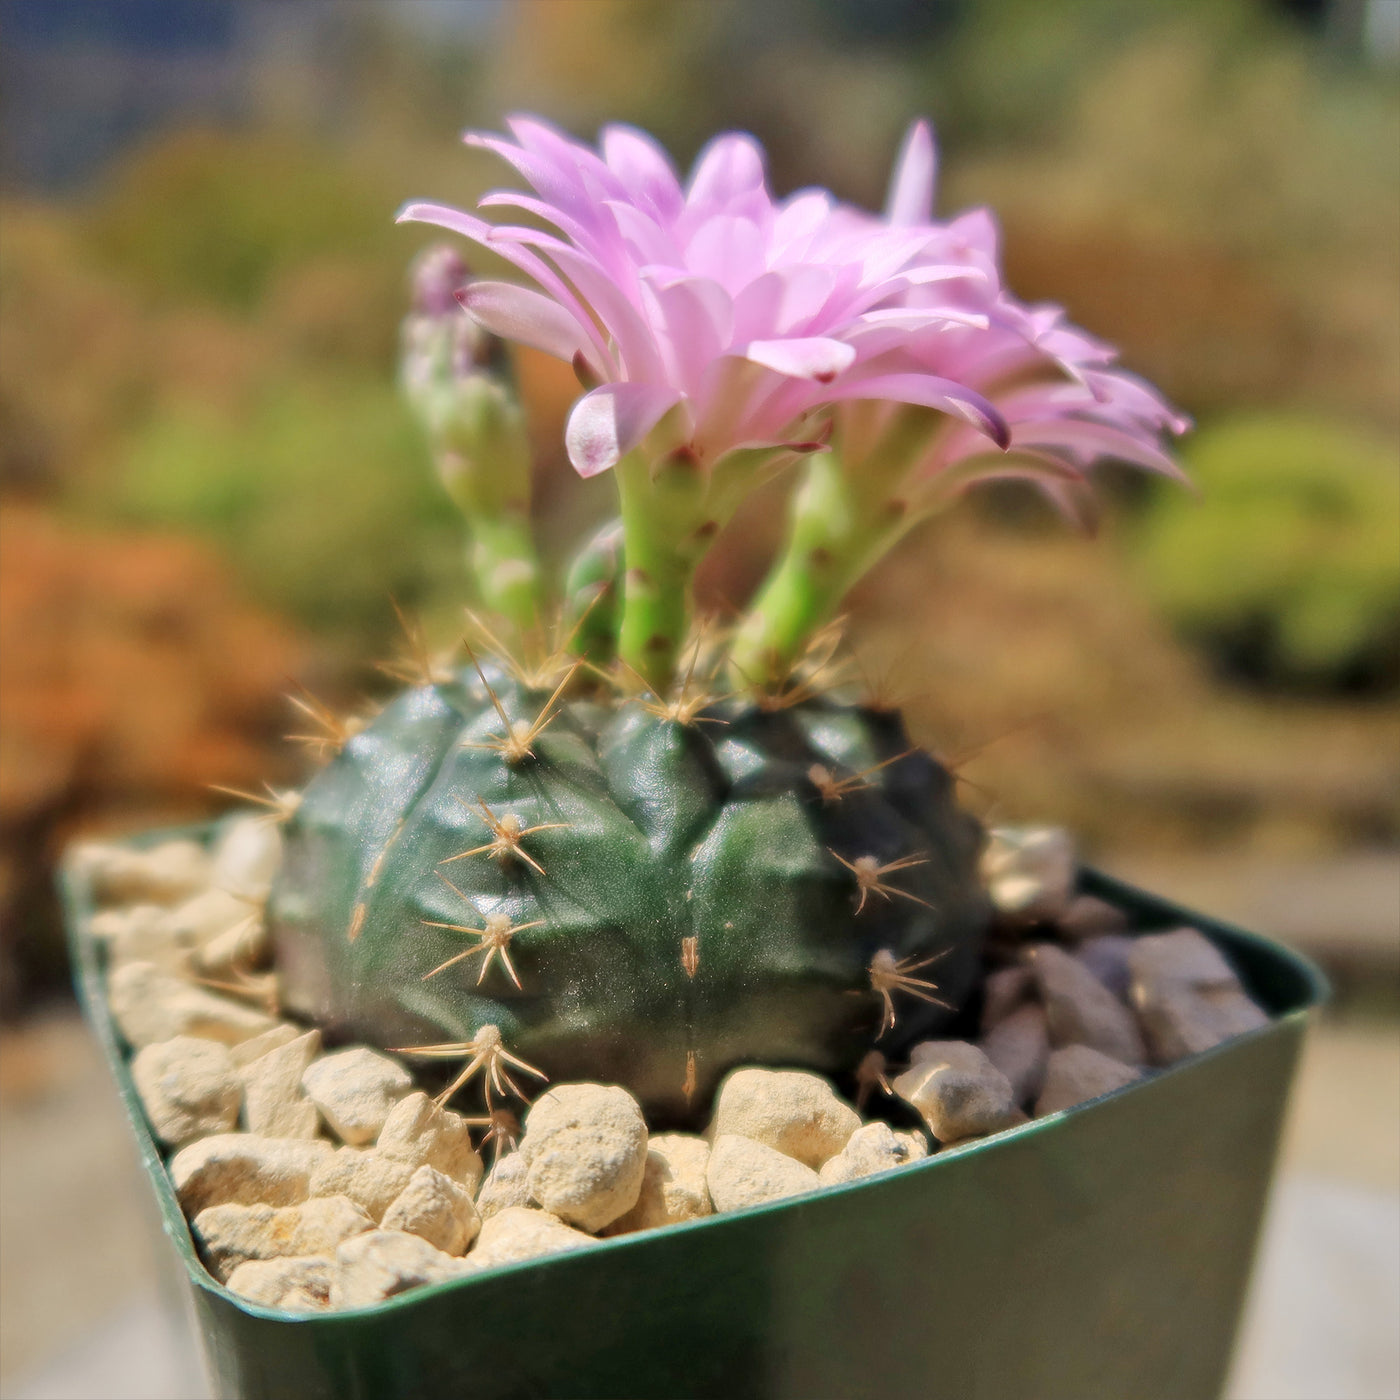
x,y
357,922
690,956
691,1078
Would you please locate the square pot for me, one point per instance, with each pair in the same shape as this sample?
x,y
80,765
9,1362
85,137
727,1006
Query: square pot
x,y
1103,1251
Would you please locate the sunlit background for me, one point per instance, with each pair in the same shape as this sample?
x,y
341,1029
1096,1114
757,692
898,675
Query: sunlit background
x,y
211,491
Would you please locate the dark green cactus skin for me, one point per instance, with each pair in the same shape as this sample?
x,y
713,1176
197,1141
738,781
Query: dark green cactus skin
x,y
711,831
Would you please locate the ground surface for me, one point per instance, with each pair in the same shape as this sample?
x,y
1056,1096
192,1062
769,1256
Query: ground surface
x,y
85,1315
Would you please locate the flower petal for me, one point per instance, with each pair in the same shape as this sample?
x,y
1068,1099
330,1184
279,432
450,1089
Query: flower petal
x,y
607,423
644,168
910,199
696,317
420,211
807,357
932,392
517,313
530,263
1085,442
726,171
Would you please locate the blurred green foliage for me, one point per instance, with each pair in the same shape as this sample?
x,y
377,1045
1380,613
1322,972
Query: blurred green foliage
x,y
318,494
216,216
1288,567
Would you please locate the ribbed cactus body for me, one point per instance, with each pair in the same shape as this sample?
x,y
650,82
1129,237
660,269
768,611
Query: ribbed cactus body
x,y
689,910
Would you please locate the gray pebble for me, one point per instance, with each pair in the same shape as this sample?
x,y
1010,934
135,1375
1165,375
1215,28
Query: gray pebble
x,y
1081,1010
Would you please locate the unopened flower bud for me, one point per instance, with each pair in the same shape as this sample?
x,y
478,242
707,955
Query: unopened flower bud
x,y
437,275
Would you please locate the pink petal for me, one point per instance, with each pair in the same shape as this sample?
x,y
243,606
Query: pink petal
x,y
698,320
800,216
782,302
932,392
647,241
479,231
516,313
418,211
607,423
728,249
608,301
910,199
812,357
542,208
561,187
728,169
1087,441
917,318
644,168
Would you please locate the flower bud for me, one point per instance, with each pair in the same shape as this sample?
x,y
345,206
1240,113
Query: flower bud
x,y
456,377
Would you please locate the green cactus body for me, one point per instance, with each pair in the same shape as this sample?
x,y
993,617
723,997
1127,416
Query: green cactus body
x,y
688,908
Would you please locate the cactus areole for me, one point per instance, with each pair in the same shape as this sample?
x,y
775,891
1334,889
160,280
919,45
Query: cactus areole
x,y
646,852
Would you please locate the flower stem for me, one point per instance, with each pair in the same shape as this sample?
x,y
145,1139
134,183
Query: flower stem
x,y
808,581
665,533
844,522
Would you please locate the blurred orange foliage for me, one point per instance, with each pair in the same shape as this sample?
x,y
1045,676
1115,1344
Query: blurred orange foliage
x,y
131,668
134,677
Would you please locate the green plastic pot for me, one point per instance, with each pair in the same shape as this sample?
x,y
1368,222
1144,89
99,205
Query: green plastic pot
x,y
1101,1252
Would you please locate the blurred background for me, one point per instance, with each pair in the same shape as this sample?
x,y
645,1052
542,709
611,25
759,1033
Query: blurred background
x,y
209,491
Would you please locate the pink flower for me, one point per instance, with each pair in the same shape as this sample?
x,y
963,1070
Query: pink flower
x,y
1064,401
712,317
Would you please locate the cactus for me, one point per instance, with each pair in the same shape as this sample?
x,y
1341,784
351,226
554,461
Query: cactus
x,y
586,864
628,897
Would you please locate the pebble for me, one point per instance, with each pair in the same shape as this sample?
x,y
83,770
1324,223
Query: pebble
x,y
514,1233
230,1235
958,1091
242,946
1079,1072
1186,995
1107,958
150,1005
355,1090
1088,916
507,1184
1081,1010
586,1147
435,1208
165,874
107,925
743,1172
208,915
247,858
792,1111
245,1169
189,1088
369,1178
1019,1047
420,1131
673,1185
1004,991
273,1102
282,1033
1030,871
382,1263
297,1284
872,1149
140,933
